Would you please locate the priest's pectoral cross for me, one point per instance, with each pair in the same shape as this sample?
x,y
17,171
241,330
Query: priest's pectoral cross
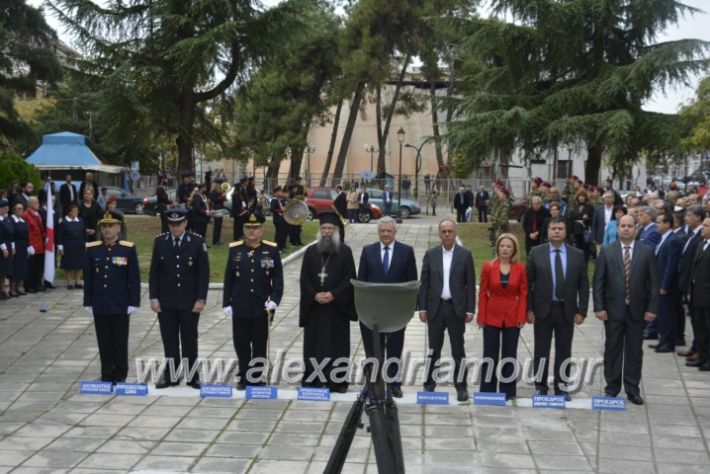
x,y
322,275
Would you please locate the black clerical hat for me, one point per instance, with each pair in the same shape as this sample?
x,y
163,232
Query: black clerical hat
x,y
329,218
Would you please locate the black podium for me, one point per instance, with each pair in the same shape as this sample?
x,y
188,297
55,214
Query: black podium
x,y
382,308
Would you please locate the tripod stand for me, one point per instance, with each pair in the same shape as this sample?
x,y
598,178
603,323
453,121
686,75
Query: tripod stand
x,y
381,409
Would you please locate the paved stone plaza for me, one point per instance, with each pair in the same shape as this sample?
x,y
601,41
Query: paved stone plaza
x,y
46,426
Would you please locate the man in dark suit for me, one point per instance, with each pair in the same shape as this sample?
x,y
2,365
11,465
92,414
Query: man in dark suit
x,y
363,197
67,195
694,216
461,203
648,234
603,213
163,201
447,301
199,215
340,206
481,203
667,255
387,198
534,223
558,295
90,183
701,300
387,261
625,296
179,278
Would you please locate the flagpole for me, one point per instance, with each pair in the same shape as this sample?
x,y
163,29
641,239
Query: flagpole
x,y
49,246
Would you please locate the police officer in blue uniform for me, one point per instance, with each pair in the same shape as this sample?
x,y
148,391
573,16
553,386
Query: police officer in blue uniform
x,y
179,280
253,287
112,291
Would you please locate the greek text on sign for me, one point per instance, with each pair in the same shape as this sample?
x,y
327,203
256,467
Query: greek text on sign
x,y
314,394
608,403
132,389
549,401
215,391
92,387
432,398
496,399
262,393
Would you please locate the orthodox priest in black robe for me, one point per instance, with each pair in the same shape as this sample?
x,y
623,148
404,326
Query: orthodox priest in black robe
x,y
327,308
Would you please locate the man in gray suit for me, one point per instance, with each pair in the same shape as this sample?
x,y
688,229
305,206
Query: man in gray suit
x,y
558,294
626,289
447,300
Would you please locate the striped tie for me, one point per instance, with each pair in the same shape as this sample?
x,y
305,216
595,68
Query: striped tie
x,y
627,273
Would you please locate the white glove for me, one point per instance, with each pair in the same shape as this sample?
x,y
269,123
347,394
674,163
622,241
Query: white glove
x,y
227,310
30,250
89,310
60,248
132,309
270,306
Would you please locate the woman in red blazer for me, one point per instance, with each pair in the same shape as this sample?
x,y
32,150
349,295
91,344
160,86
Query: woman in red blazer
x,y
35,250
502,300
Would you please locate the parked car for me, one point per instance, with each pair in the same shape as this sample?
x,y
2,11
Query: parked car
x,y
126,202
408,207
320,200
151,202
518,206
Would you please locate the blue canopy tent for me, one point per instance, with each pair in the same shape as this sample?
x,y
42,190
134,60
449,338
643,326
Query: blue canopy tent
x,y
61,153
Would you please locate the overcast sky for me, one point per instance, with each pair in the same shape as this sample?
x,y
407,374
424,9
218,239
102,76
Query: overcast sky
x,y
668,101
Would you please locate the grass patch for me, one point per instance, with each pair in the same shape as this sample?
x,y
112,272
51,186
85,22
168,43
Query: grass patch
x,y
143,229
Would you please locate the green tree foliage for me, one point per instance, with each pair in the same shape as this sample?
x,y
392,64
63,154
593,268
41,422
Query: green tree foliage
x,y
275,110
14,167
26,58
570,71
159,62
698,112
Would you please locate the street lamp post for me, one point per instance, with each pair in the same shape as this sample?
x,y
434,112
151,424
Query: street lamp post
x,y
400,138
309,150
418,165
371,150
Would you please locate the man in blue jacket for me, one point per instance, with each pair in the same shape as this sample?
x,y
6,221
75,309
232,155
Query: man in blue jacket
x,y
667,255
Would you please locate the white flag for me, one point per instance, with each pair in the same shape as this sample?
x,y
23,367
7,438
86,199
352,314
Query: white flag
x,y
49,247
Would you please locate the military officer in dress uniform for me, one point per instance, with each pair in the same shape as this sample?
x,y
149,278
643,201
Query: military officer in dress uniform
x,y
179,279
112,290
253,287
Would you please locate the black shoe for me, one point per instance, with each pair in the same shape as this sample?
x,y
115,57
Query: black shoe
x,y
648,336
338,388
635,399
429,387
695,363
3,296
70,287
397,392
664,348
32,290
49,286
705,367
680,342
195,384
241,386
461,394
654,346
609,393
164,383
79,286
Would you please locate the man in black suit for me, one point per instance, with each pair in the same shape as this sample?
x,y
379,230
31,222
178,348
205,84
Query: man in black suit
x,y
481,202
701,300
89,182
447,301
363,197
667,255
694,216
558,295
534,223
163,201
461,203
67,195
387,261
625,297
340,205
179,279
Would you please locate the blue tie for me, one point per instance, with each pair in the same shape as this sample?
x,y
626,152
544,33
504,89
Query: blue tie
x,y
386,260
